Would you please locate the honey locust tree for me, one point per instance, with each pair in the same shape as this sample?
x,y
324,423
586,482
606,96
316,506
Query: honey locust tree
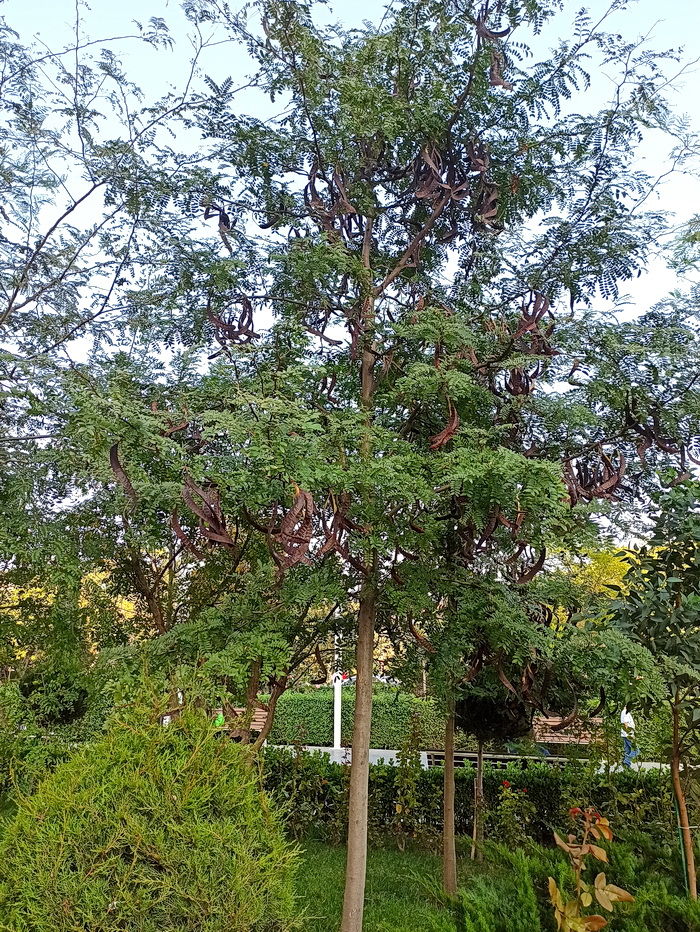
x,y
216,604
92,189
399,244
425,205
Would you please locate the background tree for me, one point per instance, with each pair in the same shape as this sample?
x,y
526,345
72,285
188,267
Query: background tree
x,y
661,610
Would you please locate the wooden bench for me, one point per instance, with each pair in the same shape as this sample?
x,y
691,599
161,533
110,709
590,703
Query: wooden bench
x,y
576,733
232,726
580,733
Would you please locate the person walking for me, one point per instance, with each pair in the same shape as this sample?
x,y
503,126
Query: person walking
x,y
627,733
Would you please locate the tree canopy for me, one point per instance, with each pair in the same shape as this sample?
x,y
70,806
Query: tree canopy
x,y
342,365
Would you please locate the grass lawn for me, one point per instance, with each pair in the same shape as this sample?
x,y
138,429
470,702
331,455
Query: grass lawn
x,y
400,894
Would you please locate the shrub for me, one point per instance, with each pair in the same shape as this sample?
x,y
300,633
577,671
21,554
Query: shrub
x,y
56,695
317,792
573,906
510,893
505,903
408,819
657,908
312,790
12,725
28,750
148,828
511,817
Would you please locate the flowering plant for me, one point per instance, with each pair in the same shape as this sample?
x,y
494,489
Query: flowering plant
x,y
513,815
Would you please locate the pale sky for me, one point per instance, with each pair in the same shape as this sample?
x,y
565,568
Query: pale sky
x,y
672,24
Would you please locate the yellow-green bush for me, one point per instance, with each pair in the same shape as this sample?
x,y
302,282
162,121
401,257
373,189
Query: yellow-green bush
x,y
150,828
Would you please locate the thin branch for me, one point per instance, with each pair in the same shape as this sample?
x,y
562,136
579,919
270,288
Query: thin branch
x,y
405,259
39,246
29,438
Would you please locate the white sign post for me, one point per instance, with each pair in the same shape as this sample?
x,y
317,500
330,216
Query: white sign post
x,y
337,695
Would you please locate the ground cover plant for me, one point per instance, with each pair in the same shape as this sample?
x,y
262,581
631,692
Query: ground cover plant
x,y
508,892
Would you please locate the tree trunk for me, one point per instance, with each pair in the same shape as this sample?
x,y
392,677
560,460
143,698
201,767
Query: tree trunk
x,y
478,836
277,691
148,590
356,867
251,698
449,853
682,808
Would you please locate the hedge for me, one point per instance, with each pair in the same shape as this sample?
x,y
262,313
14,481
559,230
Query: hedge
x,y
307,717
406,800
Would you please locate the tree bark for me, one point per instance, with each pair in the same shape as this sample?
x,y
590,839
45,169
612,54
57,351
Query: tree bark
x,y
682,808
149,593
449,853
251,697
356,868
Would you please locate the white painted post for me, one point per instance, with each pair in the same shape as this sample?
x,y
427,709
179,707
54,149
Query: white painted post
x,y
337,695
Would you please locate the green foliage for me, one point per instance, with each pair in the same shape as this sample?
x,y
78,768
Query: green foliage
x,y
316,791
307,717
661,607
12,723
426,194
512,883
408,815
658,907
507,892
511,816
312,790
396,110
29,749
149,828
573,914
56,693
653,731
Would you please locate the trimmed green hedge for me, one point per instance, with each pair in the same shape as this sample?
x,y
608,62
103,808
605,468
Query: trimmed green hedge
x,y
316,793
307,717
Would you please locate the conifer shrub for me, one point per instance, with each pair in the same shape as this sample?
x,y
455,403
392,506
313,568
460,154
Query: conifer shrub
x,y
150,828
